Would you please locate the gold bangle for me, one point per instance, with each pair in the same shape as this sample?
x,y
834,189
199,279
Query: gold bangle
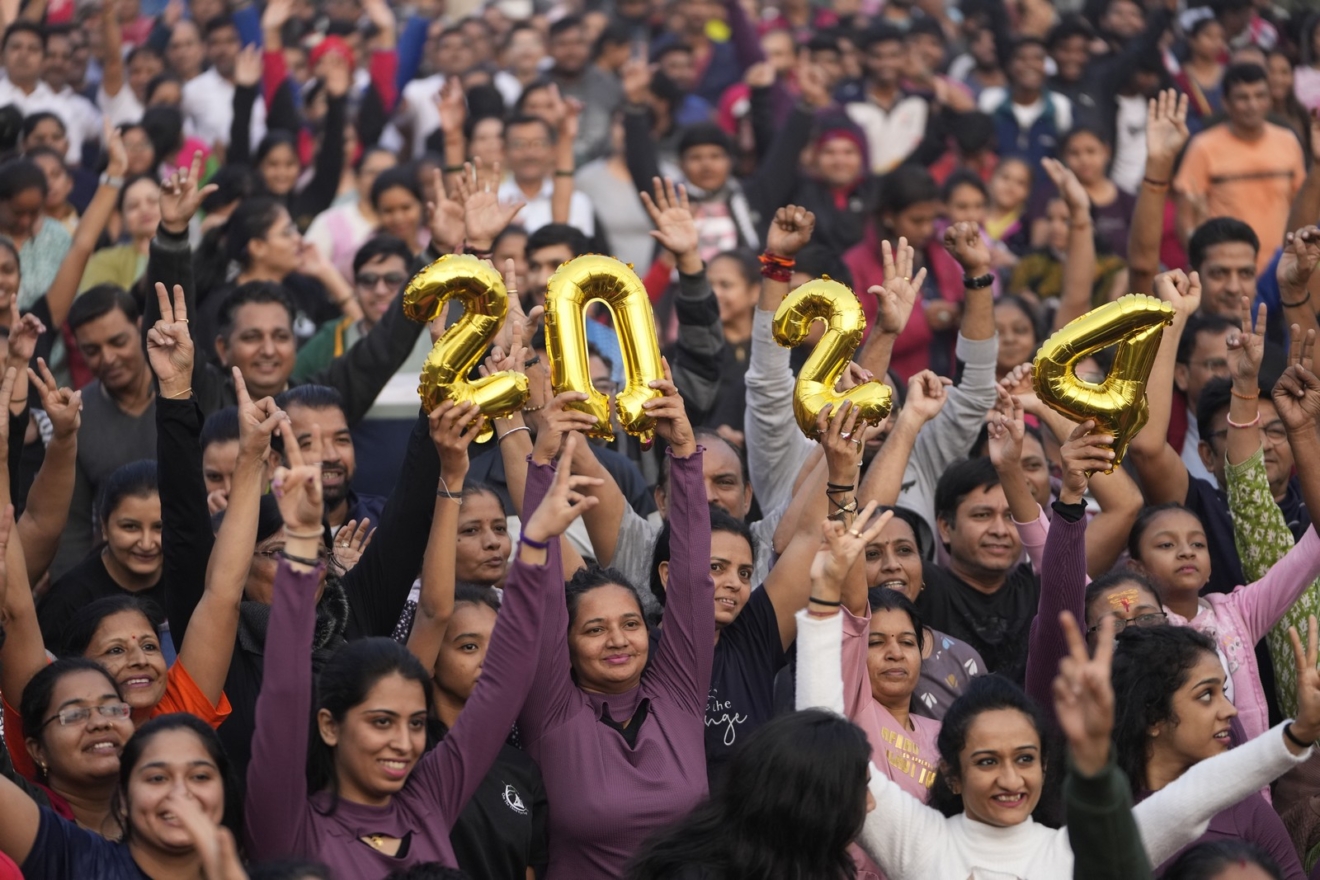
x,y
180,396
1235,393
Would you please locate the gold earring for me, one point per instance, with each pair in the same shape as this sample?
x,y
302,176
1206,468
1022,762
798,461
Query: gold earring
x,y
44,770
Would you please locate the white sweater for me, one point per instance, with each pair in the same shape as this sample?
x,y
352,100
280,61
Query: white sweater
x,y
912,841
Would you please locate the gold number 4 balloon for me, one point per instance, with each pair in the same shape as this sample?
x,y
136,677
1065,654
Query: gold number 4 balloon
x,y
1135,323
479,287
836,305
574,284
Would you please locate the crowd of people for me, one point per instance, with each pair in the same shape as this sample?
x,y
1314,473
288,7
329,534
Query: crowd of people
x,y
974,638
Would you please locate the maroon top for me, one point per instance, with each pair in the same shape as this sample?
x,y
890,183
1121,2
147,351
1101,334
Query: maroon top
x,y
607,797
1062,588
283,821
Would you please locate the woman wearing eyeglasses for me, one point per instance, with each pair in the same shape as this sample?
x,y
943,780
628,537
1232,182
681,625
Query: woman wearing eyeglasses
x,y
1166,724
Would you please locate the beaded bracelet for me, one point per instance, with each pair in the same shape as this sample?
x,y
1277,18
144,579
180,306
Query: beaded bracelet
x,y
776,267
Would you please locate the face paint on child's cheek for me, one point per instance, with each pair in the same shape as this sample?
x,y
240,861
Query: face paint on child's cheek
x,y
1123,600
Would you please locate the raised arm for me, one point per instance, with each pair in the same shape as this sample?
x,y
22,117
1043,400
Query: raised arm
x,y
453,428
567,114
1296,276
277,774
1079,264
926,396
638,142
247,88
207,653
455,768
48,501
1163,474
1166,135
1006,430
895,300
110,56
19,830
328,166
90,226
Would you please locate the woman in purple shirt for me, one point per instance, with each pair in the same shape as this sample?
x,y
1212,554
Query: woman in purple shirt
x,y
619,730
379,801
1169,722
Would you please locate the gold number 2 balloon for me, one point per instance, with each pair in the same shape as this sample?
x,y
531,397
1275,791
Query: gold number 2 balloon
x,y
836,305
1135,323
574,284
479,287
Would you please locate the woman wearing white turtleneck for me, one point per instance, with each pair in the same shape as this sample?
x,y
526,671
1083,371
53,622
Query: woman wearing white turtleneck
x,y
994,740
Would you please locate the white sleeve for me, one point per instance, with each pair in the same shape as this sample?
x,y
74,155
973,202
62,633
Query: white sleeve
x,y
776,447
820,662
1180,812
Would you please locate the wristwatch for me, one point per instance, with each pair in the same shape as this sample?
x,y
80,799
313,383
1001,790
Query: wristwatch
x,y
116,182
978,282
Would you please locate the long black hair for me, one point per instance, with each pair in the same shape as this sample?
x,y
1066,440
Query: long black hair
x,y
720,521
989,693
1207,860
1150,664
137,479
345,681
84,623
792,801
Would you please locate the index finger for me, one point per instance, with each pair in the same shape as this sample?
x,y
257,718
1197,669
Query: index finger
x,y
180,305
163,300
240,388
292,453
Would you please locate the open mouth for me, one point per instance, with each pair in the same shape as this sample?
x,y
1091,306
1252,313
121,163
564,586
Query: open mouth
x,y
901,586
394,769
1010,801
138,682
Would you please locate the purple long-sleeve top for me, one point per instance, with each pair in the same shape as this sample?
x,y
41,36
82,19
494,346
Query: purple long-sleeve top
x,y
607,796
284,820
1062,588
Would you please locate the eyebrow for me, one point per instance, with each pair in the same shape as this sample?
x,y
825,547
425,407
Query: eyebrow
x,y
993,753
79,701
1172,534
629,616
1204,681
166,765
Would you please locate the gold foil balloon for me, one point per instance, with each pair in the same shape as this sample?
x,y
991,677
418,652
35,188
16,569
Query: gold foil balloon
x,y
479,287
1135,323
574,284
837,306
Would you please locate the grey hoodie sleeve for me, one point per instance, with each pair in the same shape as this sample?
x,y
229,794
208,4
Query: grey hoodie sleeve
x,y
700,342
776,447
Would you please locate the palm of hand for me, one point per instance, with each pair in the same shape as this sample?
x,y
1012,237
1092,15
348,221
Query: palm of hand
x,y
169,362
1166,138
677,229
897,300
447,224
483,216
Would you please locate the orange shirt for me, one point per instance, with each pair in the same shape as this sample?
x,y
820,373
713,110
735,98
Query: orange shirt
x,y
181,695
1254,181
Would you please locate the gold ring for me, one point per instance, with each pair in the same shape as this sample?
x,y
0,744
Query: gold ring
x,y
854,533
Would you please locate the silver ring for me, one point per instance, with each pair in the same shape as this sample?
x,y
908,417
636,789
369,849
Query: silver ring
x,y
845,435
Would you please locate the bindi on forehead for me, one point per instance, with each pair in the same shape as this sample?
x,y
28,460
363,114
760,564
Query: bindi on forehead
x,y
1123,600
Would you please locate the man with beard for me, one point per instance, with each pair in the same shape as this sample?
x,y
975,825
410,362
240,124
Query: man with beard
x,y
1030,119
311,406
119,408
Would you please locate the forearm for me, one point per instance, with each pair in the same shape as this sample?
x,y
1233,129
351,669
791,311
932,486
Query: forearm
x,y
883,481
1305,208
1106,537
90,226
978,320
1106,842
602,521
1159,392
700,338
1078,270
435,602
876,352
1147,228
515,444
1017,492
49,501
561,193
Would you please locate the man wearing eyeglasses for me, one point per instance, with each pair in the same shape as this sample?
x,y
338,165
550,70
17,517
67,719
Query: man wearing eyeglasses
x,y
380,271
1202,356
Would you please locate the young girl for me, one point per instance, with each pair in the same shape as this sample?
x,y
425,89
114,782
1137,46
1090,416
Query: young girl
x,y
1087,155
139,215
1040,272
1019,333
375,802
397,202
1202,74
1166,724
1004,222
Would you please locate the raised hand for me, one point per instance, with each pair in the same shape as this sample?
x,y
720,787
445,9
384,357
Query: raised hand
x,y
212,842
170,346
381,15
1301,254
518,327
1166,129
452,104
351,541
1297,391
180,196
257,421
564,502
337,75
445,217
23,338
1084,695
927,394
670,414
811,80
1307,725
790,231
964,243
1179,290
636,79
453,427
841,438
1006,428
484,216
116,152
1247,347
842,548
248,66
898,296
1074,194
276,13
63,406
675,228
555,420
297,488
1084,454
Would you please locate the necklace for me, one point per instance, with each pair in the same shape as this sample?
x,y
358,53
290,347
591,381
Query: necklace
x,y
377,841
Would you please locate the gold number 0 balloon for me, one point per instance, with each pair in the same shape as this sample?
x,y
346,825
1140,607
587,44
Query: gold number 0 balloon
x,y
836,305
485,300
1135,323
574,284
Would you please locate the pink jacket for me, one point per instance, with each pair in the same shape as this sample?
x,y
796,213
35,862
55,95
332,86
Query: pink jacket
x,y
908,757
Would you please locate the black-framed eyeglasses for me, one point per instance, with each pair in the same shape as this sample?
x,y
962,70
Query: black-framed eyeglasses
x,y
369,280
1155,618
79,714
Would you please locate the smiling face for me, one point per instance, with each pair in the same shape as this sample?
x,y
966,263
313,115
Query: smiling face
x,y
966,204
400,214
261,345
607,640
893,658
1199,728
731,567
982,539
458,665
111,345
893,559
174,764
86,752
1017,336
1174,554
482,555
1010,185
1001,769
338,459
379,741
736,297
839,161
1087,157
279,169
129,649
142,208
132,534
